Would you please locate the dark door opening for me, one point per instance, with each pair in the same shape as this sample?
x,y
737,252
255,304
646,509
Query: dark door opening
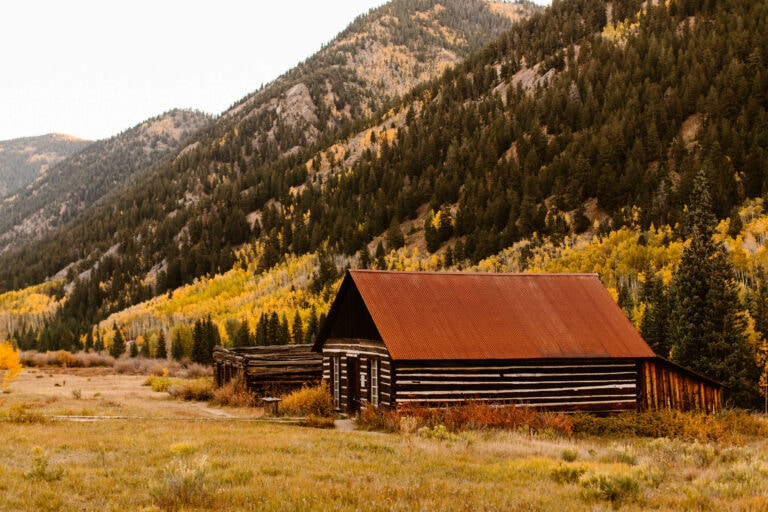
x,y
353,385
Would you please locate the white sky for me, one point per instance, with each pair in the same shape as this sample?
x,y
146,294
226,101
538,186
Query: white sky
x,y
93,68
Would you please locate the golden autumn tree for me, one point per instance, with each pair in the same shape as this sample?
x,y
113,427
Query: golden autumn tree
x,y
10,365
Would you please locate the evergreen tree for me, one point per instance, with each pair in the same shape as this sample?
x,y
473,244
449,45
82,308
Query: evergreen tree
x,y
297,332
273,329
98,343
261,330
655,323
211,338
626,303
312,326
144,349
395,238
198,343
177,346
365,257
244,337
133,350
162,351
707,322
283,332
118,343
379,261
89,340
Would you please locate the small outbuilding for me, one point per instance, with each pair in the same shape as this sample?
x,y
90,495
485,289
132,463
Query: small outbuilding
x,y
550,341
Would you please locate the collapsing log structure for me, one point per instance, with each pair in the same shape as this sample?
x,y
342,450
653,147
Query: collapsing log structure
x,y
268,370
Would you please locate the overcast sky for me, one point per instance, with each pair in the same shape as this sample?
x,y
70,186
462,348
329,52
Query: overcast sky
x,y
93,68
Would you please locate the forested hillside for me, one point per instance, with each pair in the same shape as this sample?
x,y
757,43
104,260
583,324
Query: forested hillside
x,y
24,160
69,188
188,215
587,125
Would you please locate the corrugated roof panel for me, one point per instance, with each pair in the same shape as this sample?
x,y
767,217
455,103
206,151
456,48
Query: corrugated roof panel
x,y
430,315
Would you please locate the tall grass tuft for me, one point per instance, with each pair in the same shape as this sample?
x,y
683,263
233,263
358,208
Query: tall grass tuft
x,y
40,469
184,484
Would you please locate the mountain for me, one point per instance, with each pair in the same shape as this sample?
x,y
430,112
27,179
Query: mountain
x,y
25,160
581,122
71,186
380,55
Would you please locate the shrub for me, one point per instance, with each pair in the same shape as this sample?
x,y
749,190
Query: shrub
x,y
382,420
20,412
728,426
315,400
468,416
569,455
160,384
567,474
438,433
200,389
319,421
235,393
617,489
66,359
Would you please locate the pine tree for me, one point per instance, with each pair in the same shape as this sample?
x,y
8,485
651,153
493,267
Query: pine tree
x,y
244,337
379,261
198,344
273,329
89,340
312,326
133,350
177,346
118,343
297,332
284,333
162,351
98,343
365,257
261,330
211,338
707,322
395,238
655,324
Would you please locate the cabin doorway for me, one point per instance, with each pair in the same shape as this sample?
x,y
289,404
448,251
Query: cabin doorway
x,y
353,385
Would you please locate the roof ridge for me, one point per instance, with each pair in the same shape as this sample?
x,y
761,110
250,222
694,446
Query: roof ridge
x,y
472,273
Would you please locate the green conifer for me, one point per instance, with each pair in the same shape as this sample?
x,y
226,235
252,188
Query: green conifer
x,y
118,342
708,325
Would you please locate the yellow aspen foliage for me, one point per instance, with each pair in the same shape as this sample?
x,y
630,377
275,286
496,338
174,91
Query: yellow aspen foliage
x,y
10,365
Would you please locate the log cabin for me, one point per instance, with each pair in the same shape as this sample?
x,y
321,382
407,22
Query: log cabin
x,y
549,341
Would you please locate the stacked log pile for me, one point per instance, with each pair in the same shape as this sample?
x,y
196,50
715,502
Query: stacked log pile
x,y
269,370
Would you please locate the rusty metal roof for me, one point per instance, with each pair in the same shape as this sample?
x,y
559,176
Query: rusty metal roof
x,y
441,316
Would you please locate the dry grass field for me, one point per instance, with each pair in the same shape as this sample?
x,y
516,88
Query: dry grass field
x,y
91,439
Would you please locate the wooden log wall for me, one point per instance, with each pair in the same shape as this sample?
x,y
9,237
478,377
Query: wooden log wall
x,y
269,370
666,385
576,385
364,351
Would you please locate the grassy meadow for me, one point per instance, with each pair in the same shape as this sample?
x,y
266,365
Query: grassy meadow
x,y
69,446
